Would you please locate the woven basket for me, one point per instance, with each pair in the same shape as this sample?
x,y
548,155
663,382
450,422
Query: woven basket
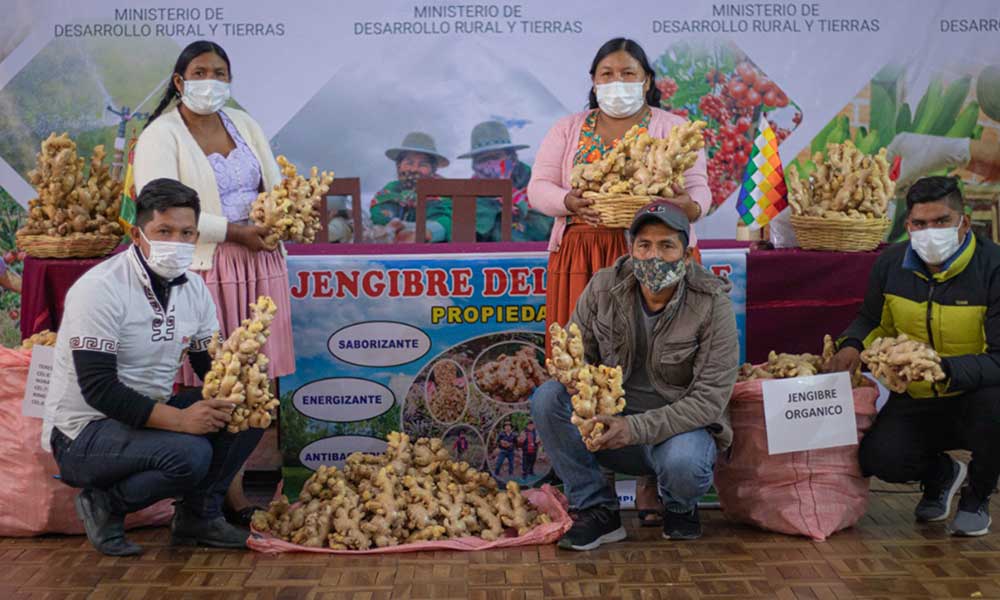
x,y
617,210
839,235
75,245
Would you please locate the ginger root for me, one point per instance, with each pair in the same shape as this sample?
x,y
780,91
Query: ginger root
x,y
642,165
448,397
511,378
846,184
73,200
239,371
597,390
291,210
901,361
413,492
786,366
42,338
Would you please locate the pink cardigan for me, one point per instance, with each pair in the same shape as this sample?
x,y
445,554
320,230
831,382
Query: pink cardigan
x,y
554,162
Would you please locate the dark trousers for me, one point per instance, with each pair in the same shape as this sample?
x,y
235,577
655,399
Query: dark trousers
x,y
138,467
528,463
910,435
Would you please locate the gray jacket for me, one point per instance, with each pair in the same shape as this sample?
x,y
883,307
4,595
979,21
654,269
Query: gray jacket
x,y
693,356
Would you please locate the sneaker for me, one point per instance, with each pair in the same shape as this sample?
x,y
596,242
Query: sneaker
x,y
592,527
189,529
681,526
973,518
105,529
936,502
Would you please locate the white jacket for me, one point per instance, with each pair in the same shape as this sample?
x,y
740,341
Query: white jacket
x,y
167,149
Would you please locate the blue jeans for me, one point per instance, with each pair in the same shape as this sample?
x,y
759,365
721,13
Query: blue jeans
x,y
683,464
508,457
139,467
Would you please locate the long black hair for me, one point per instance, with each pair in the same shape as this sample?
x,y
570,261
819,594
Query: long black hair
x,y
635,51
193,51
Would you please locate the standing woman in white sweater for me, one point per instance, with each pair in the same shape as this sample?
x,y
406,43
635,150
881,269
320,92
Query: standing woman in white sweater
x,y
224,155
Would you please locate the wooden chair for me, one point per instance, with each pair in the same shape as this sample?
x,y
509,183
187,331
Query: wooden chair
x,y
342,186
464,194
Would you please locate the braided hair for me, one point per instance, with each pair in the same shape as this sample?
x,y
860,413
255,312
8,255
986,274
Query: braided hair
x,y
193,51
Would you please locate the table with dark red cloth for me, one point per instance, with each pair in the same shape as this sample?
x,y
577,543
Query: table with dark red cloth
x,y
794,297
44,283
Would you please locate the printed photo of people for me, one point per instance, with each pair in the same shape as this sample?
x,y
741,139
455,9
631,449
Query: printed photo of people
x,y
516,450
494,156
394,207
465,445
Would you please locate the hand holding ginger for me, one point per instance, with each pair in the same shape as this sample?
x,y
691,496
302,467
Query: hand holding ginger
x,y
596,390
642,165
290,211
900,361
238,374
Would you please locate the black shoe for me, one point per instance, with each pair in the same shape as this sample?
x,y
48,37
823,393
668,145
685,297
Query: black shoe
x,y
105,530
592,527
681,526
242,517
189,529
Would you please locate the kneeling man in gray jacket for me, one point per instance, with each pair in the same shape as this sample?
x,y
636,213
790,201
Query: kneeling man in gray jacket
x,y
669,323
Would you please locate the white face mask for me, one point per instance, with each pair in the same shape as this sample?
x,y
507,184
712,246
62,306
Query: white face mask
x,y
205,96
620,99
169,260
935,245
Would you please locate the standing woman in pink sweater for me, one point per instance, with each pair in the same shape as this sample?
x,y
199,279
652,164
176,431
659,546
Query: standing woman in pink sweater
x,y
624,94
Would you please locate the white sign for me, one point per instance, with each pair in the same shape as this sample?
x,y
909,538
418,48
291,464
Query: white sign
x,y
333,451
626,493
379,344
37,386
343,399
809,413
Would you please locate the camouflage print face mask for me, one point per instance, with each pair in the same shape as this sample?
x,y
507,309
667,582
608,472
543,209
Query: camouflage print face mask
x,y
656,274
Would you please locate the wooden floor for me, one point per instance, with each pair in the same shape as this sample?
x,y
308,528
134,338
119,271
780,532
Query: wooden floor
x,y
886,556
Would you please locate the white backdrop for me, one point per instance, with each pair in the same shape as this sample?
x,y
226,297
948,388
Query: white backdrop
x,y
331,97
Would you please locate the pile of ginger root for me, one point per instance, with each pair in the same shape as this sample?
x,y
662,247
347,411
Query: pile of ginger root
x,y
239,370
787,366
900,361
291,210
70,203
641,165
413,492
597,390
42,338
846,184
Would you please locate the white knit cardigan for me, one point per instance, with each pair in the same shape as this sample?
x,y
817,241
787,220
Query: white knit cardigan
x,y
167,149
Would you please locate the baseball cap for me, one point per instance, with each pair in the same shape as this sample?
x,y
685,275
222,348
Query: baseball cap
x,y
665,212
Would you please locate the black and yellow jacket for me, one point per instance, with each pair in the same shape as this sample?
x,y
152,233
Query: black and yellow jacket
x,y
956,311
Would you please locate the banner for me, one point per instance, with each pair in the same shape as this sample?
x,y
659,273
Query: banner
x,y
433,345
438,345
732,265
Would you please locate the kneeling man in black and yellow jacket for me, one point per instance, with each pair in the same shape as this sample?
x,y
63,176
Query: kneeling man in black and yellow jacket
x,y
942,288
